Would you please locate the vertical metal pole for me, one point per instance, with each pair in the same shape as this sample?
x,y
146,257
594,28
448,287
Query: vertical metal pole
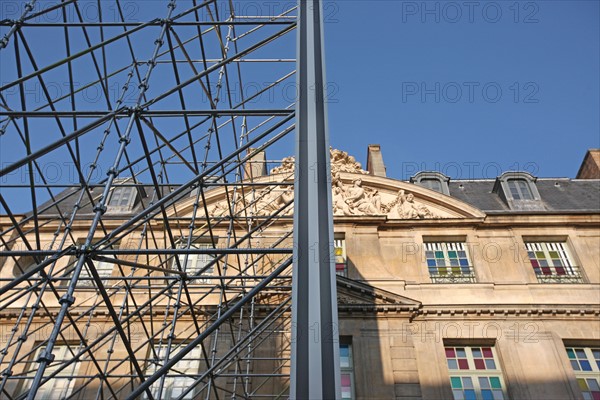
x,y
315,369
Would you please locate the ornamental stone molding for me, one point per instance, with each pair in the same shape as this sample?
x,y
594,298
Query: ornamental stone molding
x,y
354,193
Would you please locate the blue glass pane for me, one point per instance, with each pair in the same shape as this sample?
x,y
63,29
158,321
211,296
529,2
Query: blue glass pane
x,y
431,263
470,395
585,365
452,364
344,350
487,395
464,261
460,353
593,385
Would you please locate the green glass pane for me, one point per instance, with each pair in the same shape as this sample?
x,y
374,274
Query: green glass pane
x,y
553,254
540,254
439,254
582,385
456,383
495,382
452,254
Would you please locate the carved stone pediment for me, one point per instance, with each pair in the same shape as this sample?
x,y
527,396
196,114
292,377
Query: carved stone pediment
x,y
353,193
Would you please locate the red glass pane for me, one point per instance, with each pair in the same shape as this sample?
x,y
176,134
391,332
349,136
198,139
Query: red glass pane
x,y
463,364
535,263
487,352
560,271
340,267
345,380
450,352
479,363
596,395
546,271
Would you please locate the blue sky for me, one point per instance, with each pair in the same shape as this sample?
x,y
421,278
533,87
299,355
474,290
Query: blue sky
x,y
423,79
468,88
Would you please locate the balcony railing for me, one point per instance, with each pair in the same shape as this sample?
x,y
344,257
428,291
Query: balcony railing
x,y
450,277
572,277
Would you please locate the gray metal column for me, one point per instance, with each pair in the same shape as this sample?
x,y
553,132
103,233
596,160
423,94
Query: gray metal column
x,y
315,369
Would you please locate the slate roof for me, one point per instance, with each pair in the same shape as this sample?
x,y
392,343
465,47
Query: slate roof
x,y
558,195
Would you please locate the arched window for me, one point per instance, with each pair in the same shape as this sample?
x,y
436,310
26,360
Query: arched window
x,y
519,192
432,180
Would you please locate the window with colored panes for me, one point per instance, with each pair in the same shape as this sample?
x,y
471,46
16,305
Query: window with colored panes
x,y
448,262
347,371
341,263
475,373
586,365
551,262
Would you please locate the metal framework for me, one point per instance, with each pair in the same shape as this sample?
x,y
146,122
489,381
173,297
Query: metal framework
x,y
130,134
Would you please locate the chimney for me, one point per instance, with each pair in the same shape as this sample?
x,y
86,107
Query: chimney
x,y
375,164
590,167
256,166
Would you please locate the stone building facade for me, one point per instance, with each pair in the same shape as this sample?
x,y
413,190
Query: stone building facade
x,y
464,289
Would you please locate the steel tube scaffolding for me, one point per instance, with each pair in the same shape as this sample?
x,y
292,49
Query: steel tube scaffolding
x,y
146,250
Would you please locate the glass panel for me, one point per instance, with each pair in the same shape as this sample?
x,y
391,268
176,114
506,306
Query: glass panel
x,y
456,383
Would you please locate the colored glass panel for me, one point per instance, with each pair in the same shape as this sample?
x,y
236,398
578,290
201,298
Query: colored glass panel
x,y
456,383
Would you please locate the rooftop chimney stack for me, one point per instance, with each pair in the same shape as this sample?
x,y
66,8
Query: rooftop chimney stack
x,y
590,167
256,166
375,164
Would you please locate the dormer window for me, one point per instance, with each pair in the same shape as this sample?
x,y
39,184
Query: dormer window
x,y
519,192
519,189
432,180
122,198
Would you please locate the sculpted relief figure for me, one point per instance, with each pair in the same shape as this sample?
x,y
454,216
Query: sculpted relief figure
x,y
406,207
347,200
269,201
358,201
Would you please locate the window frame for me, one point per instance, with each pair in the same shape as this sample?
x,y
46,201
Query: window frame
x,y
520,187
197,243
151,367
502,187
566,256
424,176
118,193
591,359
339,242
446,245
473,373
47,391
350,368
